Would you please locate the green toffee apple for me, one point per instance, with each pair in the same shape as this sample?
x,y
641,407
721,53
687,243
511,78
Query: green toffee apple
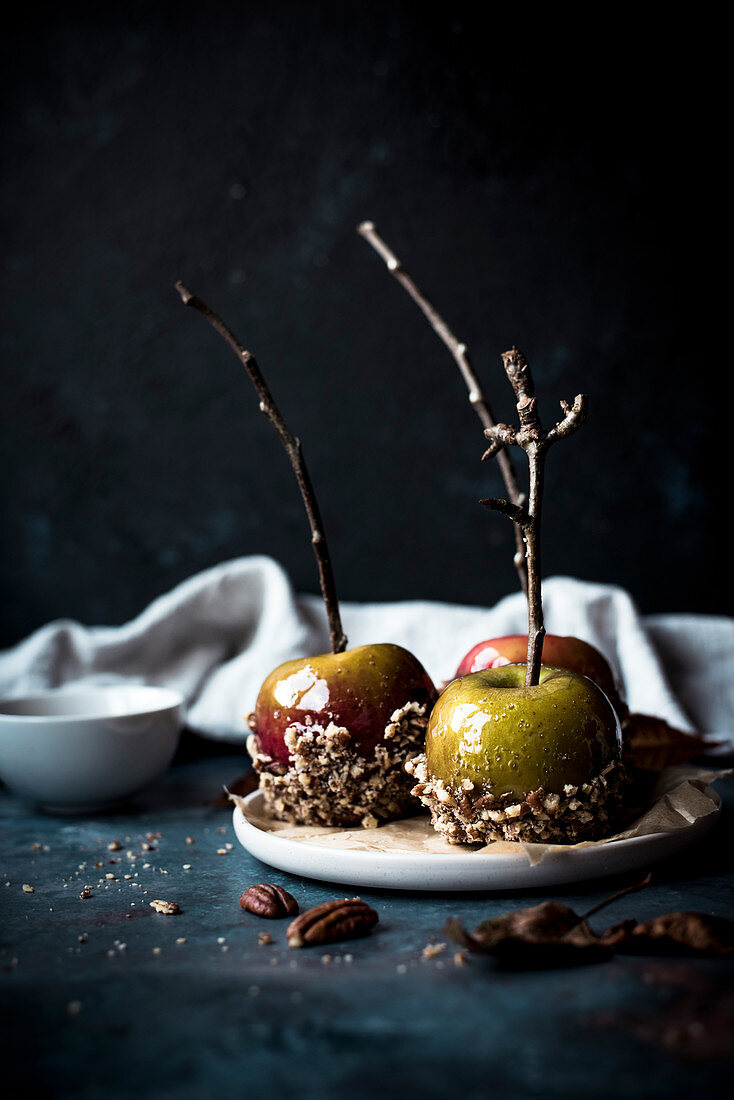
x,y
510,739
524,751
508,761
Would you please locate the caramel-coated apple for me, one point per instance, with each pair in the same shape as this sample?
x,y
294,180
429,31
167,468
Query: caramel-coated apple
x,y
505,760
331,734
359,690
561,651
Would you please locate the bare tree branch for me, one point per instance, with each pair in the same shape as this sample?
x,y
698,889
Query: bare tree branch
x,y
293,449
460,352
535,442
512,511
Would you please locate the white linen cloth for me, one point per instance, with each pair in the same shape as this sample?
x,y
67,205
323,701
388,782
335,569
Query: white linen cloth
x,y
215,637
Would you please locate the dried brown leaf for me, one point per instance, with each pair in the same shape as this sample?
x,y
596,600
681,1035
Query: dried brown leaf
x,y
673,934
550,934
651,744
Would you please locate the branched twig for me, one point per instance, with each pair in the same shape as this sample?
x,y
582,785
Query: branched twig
x,y
461,355
293,448
535,442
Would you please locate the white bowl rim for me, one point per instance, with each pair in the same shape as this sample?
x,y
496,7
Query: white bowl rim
x,y
167,699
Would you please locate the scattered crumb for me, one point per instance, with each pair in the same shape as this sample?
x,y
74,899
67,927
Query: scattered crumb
x,y
86,892
157,950
181,939
190,840
229,846
264,938
460,958
114,846
167,907
432,949
222,852
187,866
28,889
221,939
225,948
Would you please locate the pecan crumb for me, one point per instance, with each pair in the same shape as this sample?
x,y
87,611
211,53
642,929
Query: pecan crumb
x,y
432,949
27,889
167,907
264,939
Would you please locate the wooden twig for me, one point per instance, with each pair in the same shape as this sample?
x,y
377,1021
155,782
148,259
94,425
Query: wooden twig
x,y
460,353
535,442
293,449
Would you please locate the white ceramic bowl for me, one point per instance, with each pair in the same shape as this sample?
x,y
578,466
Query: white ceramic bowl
x,y
83,748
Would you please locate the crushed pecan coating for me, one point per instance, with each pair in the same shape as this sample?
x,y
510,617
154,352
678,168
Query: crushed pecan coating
x,y
467,816
328,782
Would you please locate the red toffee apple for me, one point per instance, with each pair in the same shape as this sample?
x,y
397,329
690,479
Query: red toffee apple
x,y
332,733
558,650
359,690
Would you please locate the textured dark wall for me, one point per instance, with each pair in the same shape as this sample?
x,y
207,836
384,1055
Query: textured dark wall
x,y
548,190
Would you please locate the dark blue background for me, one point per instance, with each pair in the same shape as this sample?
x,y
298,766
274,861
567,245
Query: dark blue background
x,y
551,184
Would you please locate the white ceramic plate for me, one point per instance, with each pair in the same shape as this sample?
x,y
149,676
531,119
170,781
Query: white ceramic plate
x,y
459,870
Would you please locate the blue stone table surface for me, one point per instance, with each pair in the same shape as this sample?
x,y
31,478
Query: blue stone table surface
x,y
105,997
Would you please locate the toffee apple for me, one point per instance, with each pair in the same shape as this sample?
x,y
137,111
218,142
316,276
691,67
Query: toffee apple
x,y
503,736
509,761
559,650
331,734
359,690
524,751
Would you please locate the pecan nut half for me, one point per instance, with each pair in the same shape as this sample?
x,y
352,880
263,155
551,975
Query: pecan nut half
x,y
345,919
268,900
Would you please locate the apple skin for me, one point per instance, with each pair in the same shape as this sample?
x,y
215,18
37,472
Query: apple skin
x,y
559,651
489,728
358,689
